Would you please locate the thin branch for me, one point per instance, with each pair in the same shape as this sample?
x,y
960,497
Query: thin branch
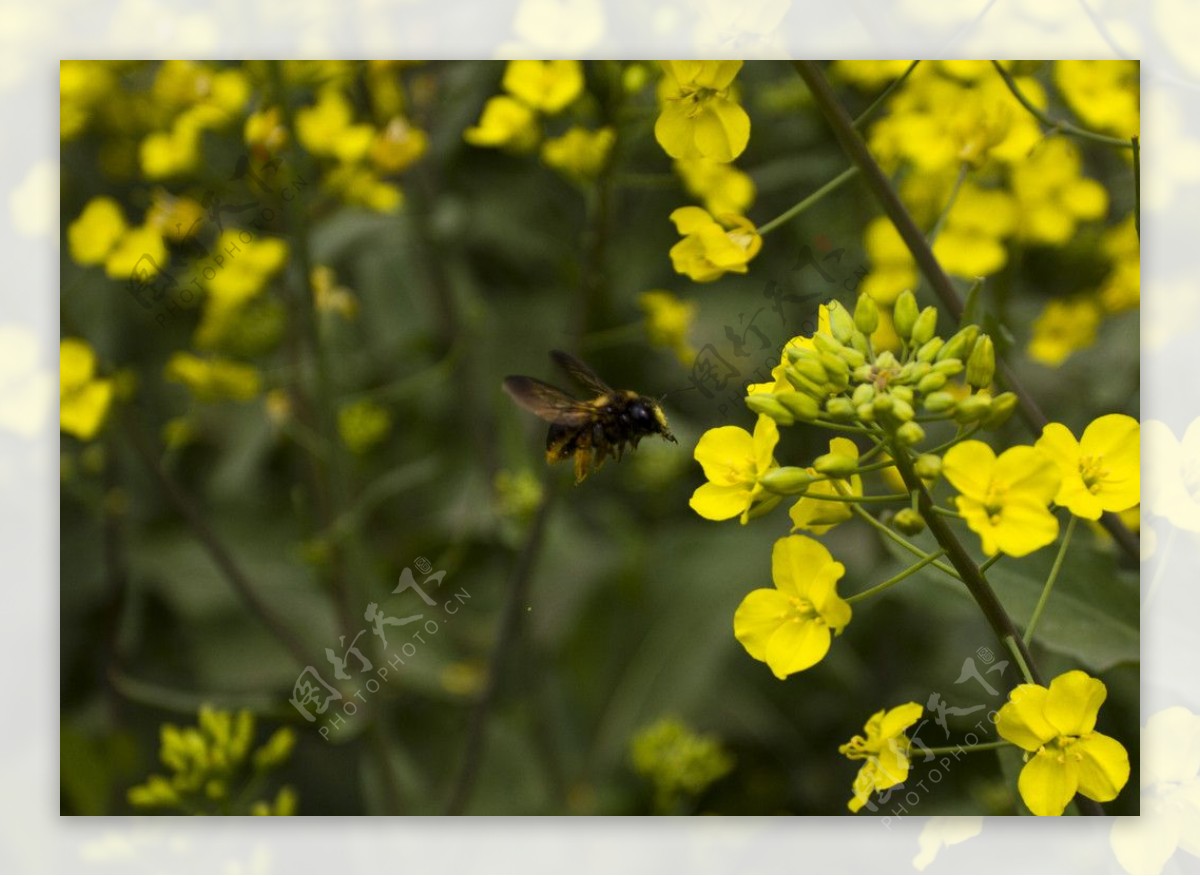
x,y
1055,124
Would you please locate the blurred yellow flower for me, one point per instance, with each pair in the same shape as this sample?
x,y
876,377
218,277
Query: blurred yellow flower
x,y
1053,195
868,75
92,236
805,342
82,87
1121,289
1005,499
723,188
818,515
885,750
1104,94
84,399
397,145
213,379
970,243
264,131
579,153
505,123
356,184
548,86
1062,328
174,217
1100,471
734,461
711,247
892,267
791,627
249,263
362,425
327,128
144,245
329,296
669,319
1064,753
700,118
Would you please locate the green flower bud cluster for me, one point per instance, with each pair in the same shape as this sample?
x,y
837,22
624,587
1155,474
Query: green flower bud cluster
x,y
840,378
211,763
679,762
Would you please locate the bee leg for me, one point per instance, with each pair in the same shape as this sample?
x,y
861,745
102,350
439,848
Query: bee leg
x,y
582,459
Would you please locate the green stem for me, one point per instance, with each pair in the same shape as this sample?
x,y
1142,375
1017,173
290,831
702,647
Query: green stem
x,y
1045,597
885,193
895,579
1055,124
1010,642
866,114
956,749
896,497
793,212
902,541
946,512
941,219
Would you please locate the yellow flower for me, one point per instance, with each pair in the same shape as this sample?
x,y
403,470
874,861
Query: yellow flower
x,y
734,461
1100,471
1104,94
781,383
265,132
971,242
327,128
356,184
710,248
700,119
868,75
329,296
84,400
1121,289
143,244
549,86
1053,194
791,627
892,267
1004,499
815,515
885,750
579,154
175,218
1062,328
92,236
249,263
363,424
1173,473
172,152
668,321
82,86
397,146
213,379
504,123
723,187
1064,753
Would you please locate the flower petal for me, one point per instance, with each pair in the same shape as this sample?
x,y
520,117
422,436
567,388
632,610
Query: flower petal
x,y
726,454
1047,783
1104,769
795,559
1022,720
968,466
796,646
720,502
758,617
1072,702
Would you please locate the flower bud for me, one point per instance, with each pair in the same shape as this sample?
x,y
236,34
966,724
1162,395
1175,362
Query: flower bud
x,y
949,367
766,506
929,349
928,466
908,521
982,364
931,382
804,384
925,326
826,344
866,314
1002,407
766,403
865,412
885,360
937,402
796,353
901,411
812,369
803,407
973,408
910,433
852,357
837,465
960,345
864,373
914,371
787,481
841,324
883,403
904,314
840,409
904,393
864,394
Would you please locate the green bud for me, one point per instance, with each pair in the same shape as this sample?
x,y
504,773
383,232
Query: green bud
x,y
826,344
885,361
904,393
841,324
914,371
931,382
837,465
840,409
804,384
883,404
864,373
928,466
909,433
937,402
973,408
766,403
803,407
859,343
1002,407
949,367
811,368
797,354
959,346
925,326
866,314
852,357
908,521
865,413
787,481
905,313
902,411
864,394
929,349
836,368
982,365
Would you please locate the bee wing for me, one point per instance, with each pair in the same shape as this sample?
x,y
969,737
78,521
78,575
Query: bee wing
x,y
548,402
580,373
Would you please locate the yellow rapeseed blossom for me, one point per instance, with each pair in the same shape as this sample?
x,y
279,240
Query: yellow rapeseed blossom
x,y
547,86
1100,471
213,379
1062,328
791,627
1005,499
505,123
1053,195
174,217
734,461
327,128
1104,94
397,146
142,248
357,184
700,118
172,152
892,267
885,750
362,425
84,399
94,233
249,263
1064,753
579,153
669,319
82,87
264,131
722,187
1121,289
804,342
814,512
868,75
971,243
711,247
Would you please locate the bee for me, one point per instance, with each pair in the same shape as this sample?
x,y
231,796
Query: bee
x,y
588,430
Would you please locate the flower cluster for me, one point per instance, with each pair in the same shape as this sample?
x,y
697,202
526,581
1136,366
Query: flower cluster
x,y
213,768
680,762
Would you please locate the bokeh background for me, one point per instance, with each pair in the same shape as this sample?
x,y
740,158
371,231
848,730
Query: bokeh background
x,y
296,402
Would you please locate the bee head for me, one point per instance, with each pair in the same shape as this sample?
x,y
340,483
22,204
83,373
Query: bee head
x,y
647,414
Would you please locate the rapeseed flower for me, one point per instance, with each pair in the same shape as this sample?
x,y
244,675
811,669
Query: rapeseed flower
x,y
547,86
84,399
213,379
711,247
504,123
1063,327
669,319
95,232
885,750
722,187
1100,471
700,118
1053,195
579,153
734,461
1104,94
819,515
